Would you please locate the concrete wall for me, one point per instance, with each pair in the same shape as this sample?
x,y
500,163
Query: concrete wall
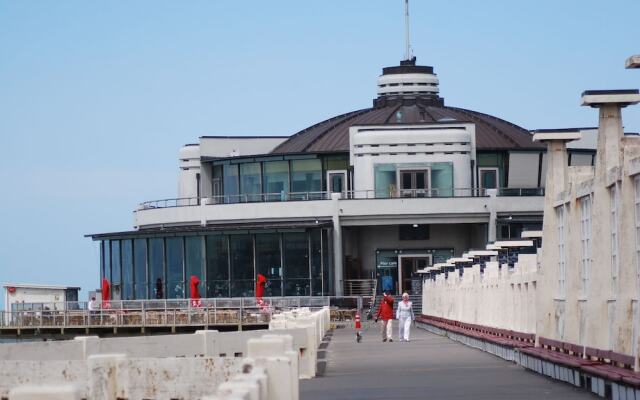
x,y
501,297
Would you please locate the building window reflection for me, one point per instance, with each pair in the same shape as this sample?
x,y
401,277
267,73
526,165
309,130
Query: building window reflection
x,y
175,268
269,262
156,267
242,272
140,268
127,269
296,263
217,266
194,261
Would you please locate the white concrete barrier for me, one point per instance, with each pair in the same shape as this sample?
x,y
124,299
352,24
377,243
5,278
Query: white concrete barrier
x,y
248,365
39,392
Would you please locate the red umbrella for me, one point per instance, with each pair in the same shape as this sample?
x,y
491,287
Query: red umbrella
x,y
262,280
106,293
195,293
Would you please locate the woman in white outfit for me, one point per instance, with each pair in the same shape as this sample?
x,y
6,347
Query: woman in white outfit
x,y
404,315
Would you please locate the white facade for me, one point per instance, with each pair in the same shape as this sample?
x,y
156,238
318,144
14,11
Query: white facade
x,y
16,294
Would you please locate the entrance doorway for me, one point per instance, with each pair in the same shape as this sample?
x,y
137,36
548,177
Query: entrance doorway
x,y
414,183
408,265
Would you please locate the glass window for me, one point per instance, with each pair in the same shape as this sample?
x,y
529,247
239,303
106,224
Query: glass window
x,y
268,262
156,268
336,163
242,273
230,182
488,178
140,268
106,251
306,176
276,180
296,263
175,268
195,262
116,288
442,179
217,266
127,270
316,262
327,271
385,180
250,182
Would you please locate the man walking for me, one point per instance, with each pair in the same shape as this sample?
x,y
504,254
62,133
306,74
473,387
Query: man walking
x,y
385,312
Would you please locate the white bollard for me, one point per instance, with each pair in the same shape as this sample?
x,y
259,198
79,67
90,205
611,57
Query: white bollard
x,y
270,353
61,392
210,342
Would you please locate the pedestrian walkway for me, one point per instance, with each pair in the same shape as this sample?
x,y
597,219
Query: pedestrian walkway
x,y
428,367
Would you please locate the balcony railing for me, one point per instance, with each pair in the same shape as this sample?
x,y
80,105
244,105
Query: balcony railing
x,y
346,195
149,313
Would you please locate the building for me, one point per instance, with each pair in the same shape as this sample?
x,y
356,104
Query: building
x,y
368,196
26,297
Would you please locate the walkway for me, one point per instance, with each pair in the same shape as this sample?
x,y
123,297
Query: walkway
x,y
428,367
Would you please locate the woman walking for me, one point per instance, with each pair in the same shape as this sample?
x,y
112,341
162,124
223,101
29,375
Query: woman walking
x,y
404,315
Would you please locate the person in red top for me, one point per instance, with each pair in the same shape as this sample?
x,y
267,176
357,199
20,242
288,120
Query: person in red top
x,y
385,312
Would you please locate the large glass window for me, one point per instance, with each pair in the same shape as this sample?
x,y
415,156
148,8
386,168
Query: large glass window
x,y
385,180
306,177
250,182
116,289
106,257
269,262
327,271
242,274
614,197
442,179
156,268
175,268
276,180
217,266
195,262
140,268
296,263
585,240
127,270
316,262
231,184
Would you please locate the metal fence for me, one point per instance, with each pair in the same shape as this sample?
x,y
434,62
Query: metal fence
x,y
143,313
347,195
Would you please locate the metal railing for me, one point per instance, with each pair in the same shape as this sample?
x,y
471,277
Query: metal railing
x,y
346,195
359,287
149,313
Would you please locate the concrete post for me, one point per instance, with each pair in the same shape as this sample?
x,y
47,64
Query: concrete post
x,y
337,245
103,376
493,215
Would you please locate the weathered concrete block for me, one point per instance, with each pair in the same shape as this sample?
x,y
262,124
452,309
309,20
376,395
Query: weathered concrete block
x,y
46,392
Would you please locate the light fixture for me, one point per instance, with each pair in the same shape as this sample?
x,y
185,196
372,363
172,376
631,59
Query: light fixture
x,y
415,225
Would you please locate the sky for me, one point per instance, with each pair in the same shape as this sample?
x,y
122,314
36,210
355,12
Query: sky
x,y
96,97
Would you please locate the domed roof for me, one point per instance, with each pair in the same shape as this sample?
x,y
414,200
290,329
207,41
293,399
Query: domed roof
x,y
408,107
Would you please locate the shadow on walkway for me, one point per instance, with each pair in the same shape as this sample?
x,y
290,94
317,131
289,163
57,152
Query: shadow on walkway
x,y
428,367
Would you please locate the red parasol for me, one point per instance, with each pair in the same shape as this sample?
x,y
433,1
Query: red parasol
x,y
262,280
106,293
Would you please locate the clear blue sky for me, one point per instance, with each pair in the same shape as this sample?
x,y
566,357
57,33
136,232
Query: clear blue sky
x,y
96,97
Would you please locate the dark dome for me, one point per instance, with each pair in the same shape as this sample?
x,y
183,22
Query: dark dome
x,y
332,135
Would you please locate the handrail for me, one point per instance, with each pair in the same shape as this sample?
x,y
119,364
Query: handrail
x,y
166,312
346,195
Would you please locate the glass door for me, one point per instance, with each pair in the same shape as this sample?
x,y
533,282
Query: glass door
x,y
337,182
415,183
488,178
409,266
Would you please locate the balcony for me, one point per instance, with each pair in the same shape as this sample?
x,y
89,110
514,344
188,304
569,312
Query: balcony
x,y
458,204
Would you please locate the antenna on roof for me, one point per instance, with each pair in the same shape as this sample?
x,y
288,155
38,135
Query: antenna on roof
x,y
408,54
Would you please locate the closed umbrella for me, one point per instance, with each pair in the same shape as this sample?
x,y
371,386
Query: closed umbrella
x,y
262,280
106,293
195,293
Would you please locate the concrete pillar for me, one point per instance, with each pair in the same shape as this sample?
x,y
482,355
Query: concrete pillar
x,y
337,245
